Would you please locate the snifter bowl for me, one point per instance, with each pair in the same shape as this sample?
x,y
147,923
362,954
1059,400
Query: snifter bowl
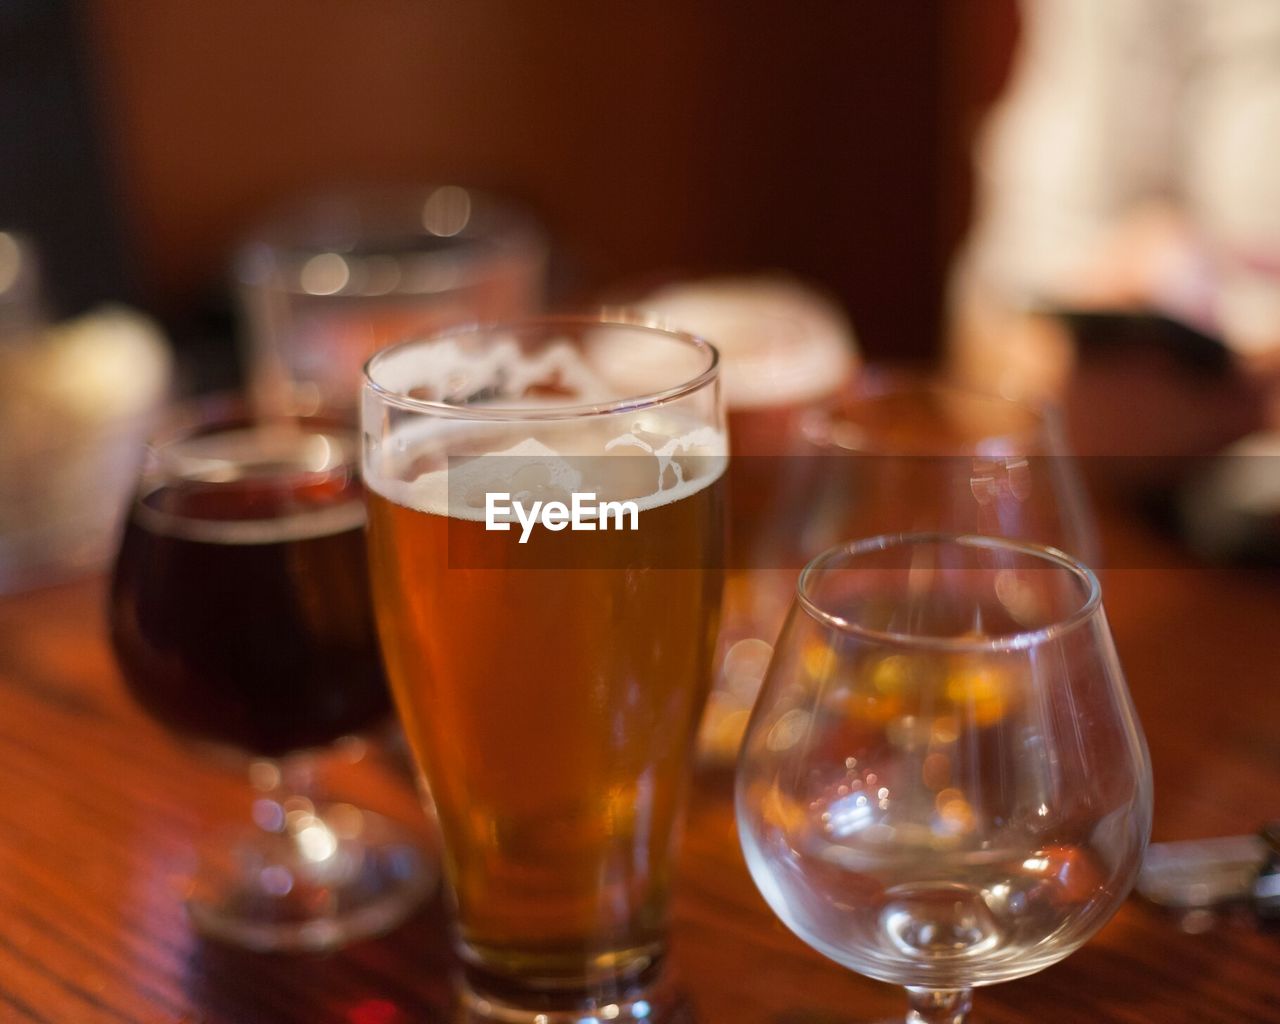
x,y
910,452
944,784
894,451
550,679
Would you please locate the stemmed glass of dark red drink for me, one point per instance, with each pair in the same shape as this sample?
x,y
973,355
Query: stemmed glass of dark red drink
x,y
240,615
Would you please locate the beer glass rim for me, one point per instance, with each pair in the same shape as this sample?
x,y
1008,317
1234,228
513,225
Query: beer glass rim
x,y
843,556
509,414
227,411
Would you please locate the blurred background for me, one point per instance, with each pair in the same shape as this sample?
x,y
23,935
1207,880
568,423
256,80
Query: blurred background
x,y
830,139
1076,202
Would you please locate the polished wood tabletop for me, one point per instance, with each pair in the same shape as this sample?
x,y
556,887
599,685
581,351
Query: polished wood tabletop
x,y
99,809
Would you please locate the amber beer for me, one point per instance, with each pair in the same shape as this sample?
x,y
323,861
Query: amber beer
x,y
553,711
551,690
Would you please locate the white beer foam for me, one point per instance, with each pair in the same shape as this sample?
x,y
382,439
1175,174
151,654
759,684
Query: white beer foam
x,y
532,470
502,363
528,471
546,460
666,451
780,342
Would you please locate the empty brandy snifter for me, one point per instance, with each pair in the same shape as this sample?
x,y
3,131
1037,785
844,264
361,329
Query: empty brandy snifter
x,y
944,784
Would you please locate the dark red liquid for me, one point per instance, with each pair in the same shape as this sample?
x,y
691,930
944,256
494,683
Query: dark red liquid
x,y
240,611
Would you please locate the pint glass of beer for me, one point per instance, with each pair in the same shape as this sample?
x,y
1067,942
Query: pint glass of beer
x,y
550,674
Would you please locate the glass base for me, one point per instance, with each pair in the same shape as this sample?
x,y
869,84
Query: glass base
x,y
310,881
478,1009
649,998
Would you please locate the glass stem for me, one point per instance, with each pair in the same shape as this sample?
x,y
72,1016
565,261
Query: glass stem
x,y
938,1005
287,808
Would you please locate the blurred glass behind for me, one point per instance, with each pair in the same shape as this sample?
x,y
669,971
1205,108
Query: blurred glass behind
x,y
333,278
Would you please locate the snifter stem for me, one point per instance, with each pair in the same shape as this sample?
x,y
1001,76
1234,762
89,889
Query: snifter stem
x,y
289,808
939,1006
308,876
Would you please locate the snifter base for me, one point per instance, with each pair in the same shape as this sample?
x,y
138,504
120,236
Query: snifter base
x,y
345,875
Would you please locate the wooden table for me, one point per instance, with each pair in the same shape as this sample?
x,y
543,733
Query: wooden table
x,y
99,808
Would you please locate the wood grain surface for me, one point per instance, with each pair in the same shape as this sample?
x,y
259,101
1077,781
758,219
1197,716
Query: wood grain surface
x,y
99,809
